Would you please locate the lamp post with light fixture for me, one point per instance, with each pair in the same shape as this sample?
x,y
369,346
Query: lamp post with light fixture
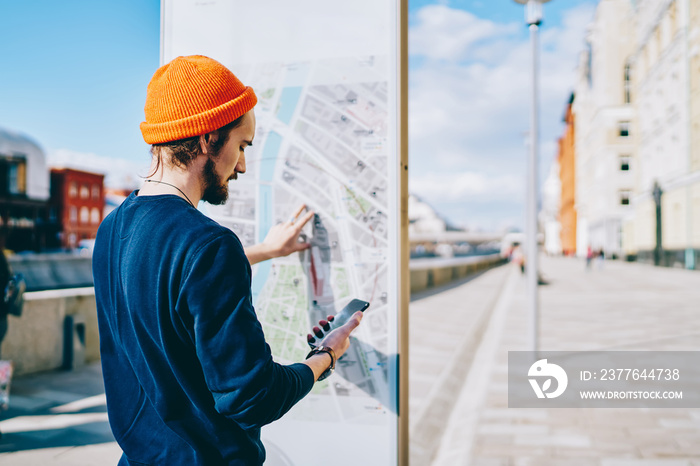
x,y
533,17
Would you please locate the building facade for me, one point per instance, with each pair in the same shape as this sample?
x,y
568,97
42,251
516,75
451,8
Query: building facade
x,y
549,214
605,130
79,200
693,187
663,228
26,219
567,177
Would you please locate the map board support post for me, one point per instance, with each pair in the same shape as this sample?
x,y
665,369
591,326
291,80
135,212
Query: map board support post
x,y
404,253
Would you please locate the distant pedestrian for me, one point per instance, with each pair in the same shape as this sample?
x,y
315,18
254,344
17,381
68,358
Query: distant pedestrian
x,y
518,258
5,366
589,257
601,258
5,275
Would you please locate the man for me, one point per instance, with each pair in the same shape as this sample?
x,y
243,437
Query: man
x,y
188,376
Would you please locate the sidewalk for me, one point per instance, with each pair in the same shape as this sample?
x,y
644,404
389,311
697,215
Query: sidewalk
x,y
619,307
446,325
58,418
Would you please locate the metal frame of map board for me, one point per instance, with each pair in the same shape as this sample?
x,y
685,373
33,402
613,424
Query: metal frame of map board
x,y
209,28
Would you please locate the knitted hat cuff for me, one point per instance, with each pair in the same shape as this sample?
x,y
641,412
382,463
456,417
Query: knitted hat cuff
x,y
202,123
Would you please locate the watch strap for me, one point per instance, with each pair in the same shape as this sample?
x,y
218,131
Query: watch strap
x,y
328,350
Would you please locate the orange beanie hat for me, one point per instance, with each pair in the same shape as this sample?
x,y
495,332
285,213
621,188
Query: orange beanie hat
x,y
191,96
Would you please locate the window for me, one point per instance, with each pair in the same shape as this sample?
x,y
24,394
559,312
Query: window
x,y
72,189
624,163
74,215
13,176
624,197
95,191
84,191
628,84
624,128
95,216
84,214
13,182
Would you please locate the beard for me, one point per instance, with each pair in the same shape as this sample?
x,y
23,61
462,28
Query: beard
x,y
215,192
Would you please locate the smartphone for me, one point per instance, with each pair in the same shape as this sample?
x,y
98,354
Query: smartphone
x,y
343,316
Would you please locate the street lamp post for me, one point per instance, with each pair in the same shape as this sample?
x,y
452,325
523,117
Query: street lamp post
x,y
658,250
533,17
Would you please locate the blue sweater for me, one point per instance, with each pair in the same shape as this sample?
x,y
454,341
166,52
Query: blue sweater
x,y
188,376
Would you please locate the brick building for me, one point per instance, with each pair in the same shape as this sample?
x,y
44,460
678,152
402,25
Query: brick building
x,y
79,200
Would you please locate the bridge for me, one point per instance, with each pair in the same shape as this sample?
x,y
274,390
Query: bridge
x,y
457,243
454,237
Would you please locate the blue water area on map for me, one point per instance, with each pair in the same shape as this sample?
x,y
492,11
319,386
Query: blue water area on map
x,y
268,160
288,103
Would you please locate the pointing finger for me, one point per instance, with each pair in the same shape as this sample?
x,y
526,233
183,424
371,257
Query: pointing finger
x,y
299,210
304,220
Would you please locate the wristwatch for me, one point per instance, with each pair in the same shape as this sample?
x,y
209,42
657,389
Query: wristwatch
x,y
331,353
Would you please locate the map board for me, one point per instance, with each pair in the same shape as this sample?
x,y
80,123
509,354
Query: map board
x,y
329,135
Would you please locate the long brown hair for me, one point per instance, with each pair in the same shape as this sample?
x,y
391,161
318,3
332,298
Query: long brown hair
x,y
183,151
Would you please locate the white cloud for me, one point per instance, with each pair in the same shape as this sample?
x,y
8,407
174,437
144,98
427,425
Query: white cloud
x,y
470,103
119,173
446,33
473,187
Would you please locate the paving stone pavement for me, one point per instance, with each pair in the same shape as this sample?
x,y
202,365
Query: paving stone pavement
x,y
444,329
58,418
618,306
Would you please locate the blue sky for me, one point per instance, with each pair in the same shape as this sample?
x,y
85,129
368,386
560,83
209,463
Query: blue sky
x,y
502,11
75,75
75,72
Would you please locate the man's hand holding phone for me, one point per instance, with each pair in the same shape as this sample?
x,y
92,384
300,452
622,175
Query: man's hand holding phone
x,y
332,337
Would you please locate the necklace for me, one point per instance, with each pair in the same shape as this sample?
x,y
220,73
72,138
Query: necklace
x,y
163,182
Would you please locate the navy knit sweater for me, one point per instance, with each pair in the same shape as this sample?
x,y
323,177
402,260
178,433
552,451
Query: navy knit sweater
x,y
188,376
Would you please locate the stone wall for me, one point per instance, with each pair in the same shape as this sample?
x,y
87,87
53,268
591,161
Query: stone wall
x,y
35,341
429,273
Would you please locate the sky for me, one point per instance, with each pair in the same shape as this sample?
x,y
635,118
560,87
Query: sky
x,y
75,75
